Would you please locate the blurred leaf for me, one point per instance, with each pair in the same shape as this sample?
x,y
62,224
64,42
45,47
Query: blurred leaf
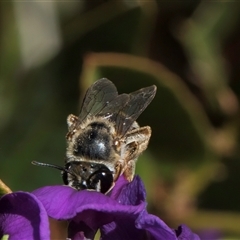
x,y
58,229
227,222
202,36
120,26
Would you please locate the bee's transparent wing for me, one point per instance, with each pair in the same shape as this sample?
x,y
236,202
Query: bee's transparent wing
x,y
102,99
115,106
130,111
97,97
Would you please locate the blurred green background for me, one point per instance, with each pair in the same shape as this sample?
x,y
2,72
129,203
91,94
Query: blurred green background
x,y
52,51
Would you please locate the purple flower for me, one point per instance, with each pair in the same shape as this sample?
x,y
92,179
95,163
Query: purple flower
x,y
119,215
22,216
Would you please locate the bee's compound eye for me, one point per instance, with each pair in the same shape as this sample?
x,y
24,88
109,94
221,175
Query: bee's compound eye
x,y
101,180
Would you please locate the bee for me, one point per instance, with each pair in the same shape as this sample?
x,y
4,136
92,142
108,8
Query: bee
x,y
105,140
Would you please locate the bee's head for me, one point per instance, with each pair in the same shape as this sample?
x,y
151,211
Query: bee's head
x,y
84,175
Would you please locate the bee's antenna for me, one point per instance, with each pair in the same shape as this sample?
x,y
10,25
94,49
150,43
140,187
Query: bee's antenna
x,y
52,166
48,165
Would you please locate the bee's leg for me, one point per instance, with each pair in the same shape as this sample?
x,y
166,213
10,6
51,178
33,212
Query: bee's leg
x,y
118,171
113,184
130,170
136,141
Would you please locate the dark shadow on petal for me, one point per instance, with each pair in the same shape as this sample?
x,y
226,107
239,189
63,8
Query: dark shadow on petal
x,y
183,232
123,229
76,228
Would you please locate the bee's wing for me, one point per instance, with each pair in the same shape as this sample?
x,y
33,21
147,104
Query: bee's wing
x,y
97,97
130,111
114,107
102,99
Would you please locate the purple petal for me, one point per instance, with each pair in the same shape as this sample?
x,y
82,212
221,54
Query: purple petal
x,y
156,228
119,215
133,193
142,226
145,225
87,210
22,216
115,192
184,233
80,236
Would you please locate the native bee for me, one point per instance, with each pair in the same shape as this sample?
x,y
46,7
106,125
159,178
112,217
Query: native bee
x,y
105,140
